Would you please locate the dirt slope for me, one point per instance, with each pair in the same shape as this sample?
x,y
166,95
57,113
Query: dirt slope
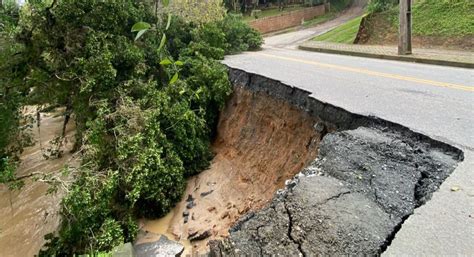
x,y
261,143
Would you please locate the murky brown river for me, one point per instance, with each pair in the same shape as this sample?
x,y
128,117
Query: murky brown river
x,y
256,151
26,215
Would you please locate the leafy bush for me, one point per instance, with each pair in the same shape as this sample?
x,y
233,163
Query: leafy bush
x,y
380,5
239,36
213,40
145,114
198,11
13,128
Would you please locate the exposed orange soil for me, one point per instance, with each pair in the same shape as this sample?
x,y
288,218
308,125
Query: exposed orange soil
x,y
261,142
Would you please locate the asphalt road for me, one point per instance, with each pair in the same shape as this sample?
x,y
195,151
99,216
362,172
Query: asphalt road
x,y
433,100
437,101
293,39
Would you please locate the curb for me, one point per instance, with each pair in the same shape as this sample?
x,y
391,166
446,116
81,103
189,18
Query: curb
x,y
389,57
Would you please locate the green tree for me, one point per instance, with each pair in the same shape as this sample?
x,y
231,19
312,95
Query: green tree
x,y
144,91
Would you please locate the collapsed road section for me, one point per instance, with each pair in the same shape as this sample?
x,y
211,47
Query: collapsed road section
x,y
357,179
369,176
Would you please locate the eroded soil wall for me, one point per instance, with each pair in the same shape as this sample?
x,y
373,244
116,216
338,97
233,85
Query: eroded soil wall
x,y
261,142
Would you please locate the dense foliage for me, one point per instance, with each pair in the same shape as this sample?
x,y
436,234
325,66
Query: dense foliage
x,y
144,113
198,11
380,5
12,92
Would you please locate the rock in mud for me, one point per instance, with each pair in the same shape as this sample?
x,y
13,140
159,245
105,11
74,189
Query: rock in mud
x,y
190,198
204,194
161,248
190,205
200,236
124,250
351,201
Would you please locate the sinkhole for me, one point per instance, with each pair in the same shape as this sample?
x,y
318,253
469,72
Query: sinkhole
x,y
295,176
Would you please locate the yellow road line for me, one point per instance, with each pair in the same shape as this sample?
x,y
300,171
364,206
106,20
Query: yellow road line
x,y
373,73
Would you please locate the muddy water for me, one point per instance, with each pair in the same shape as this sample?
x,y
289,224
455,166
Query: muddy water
x,y
160,227
261,143
28,214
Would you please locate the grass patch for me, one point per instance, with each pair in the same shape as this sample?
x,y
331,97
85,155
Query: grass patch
x,y
346,33
438,18
443,18
319,19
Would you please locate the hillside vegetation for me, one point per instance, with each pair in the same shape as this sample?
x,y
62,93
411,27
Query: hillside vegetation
x,y
346,33
446,23
443,18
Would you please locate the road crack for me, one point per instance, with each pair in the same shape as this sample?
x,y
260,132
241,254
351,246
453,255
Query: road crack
x,y
290,231
337,196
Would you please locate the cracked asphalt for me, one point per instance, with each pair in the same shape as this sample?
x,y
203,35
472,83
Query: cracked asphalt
x,y
352,199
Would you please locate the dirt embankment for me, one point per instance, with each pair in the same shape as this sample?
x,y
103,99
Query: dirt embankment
x,y
261,142
28,214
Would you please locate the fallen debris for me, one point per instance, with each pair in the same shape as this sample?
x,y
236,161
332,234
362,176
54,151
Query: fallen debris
x,y
203,194
161,248
200,236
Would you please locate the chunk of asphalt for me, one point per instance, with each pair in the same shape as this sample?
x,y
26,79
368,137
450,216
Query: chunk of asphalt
x,y
190,205
123,250
372,180
160,248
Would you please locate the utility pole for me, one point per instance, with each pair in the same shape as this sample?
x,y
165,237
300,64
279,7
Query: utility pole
x,y
404,33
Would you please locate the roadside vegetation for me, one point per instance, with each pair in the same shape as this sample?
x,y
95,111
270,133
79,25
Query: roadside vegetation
x,y
440,18
346,33
435,22
143,86
446,24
